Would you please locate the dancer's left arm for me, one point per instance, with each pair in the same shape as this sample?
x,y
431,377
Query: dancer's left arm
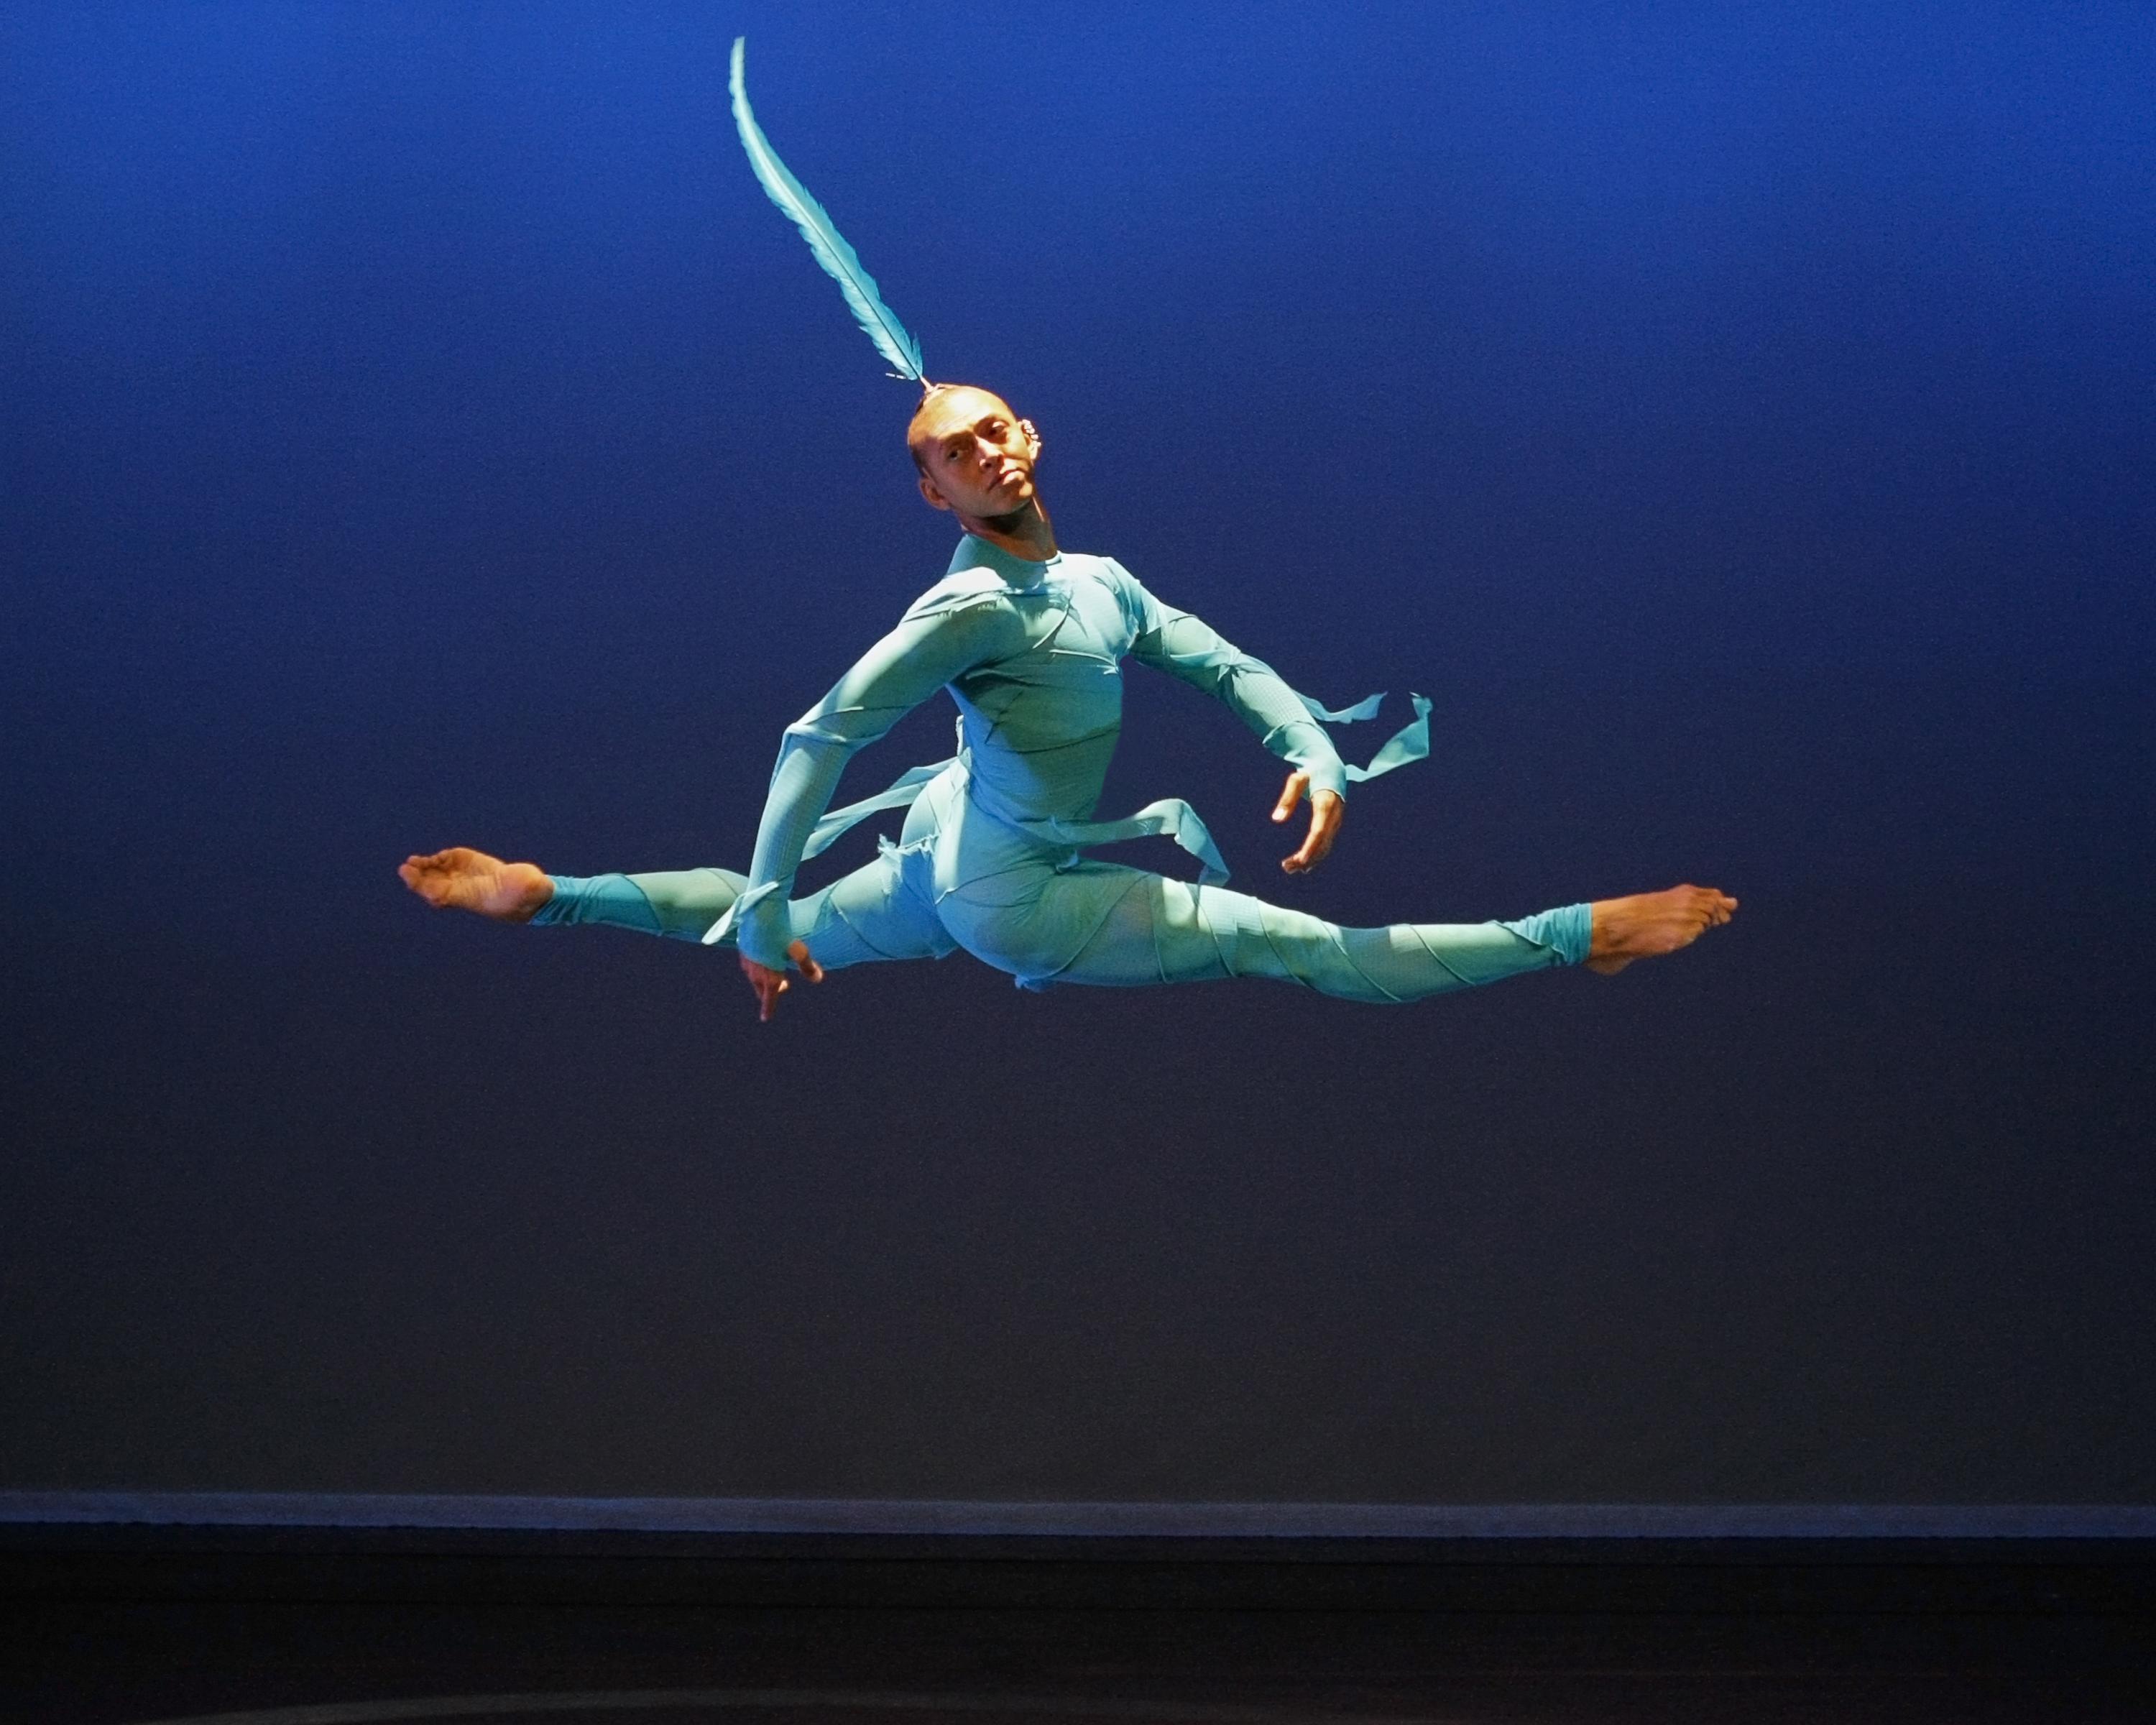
x,y
1189,649
932,643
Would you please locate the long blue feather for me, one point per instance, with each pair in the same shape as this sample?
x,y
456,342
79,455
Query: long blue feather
x,y
839,260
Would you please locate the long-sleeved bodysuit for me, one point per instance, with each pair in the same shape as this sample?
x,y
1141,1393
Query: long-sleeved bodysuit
x,y
991,857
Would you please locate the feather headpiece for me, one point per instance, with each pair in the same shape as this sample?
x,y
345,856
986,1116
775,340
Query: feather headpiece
x,y
839,260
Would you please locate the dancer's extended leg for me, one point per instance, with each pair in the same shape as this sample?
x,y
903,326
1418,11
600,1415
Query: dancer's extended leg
x,y
1104,924
1197,933
1140,928
873,913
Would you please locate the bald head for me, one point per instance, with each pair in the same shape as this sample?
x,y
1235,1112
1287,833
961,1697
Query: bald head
x,y
950,407
975,456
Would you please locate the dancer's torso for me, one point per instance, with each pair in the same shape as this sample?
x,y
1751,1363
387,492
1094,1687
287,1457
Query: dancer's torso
x,y
1038,725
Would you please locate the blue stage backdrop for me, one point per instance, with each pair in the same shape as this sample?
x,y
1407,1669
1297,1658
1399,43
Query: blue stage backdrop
x,y
419,429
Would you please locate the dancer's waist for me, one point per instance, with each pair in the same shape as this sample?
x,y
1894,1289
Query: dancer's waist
x,y
1035,818
1065,836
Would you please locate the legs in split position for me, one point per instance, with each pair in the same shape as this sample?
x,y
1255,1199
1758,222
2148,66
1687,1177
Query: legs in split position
x,y
1133,928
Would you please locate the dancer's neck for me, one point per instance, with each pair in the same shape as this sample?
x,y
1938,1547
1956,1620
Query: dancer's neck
x,y
1024,532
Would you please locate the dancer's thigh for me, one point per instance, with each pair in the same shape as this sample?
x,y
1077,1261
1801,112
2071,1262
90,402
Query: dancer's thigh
x,y
875,913
1159,930
1022,914
1111,927
1097,923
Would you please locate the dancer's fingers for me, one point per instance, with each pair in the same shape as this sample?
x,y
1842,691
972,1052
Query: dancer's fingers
x,y
1325,809
1297,781
768,984
798,953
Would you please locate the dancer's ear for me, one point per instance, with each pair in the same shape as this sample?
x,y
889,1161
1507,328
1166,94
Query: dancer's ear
x,y
936,498
1032,437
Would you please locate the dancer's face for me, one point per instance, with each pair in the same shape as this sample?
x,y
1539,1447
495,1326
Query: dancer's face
x,y
975,456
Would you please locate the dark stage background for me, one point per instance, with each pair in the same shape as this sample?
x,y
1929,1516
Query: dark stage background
x,y
419,429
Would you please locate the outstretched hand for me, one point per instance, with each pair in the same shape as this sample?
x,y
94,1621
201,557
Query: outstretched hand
x,y
1326,809
769,985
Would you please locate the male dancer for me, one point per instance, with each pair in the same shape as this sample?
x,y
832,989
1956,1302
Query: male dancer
x,y
1029,641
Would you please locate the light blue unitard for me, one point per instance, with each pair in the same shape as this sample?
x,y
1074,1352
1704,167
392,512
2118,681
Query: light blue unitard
x,y
991,857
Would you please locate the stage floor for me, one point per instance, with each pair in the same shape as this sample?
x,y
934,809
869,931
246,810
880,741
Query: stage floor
x,y
122,1625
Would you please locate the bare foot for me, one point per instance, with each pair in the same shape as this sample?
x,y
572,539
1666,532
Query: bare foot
x,y
460,879
1649,924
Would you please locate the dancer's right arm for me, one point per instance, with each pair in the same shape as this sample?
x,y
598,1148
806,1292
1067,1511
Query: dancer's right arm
x,y
934,643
